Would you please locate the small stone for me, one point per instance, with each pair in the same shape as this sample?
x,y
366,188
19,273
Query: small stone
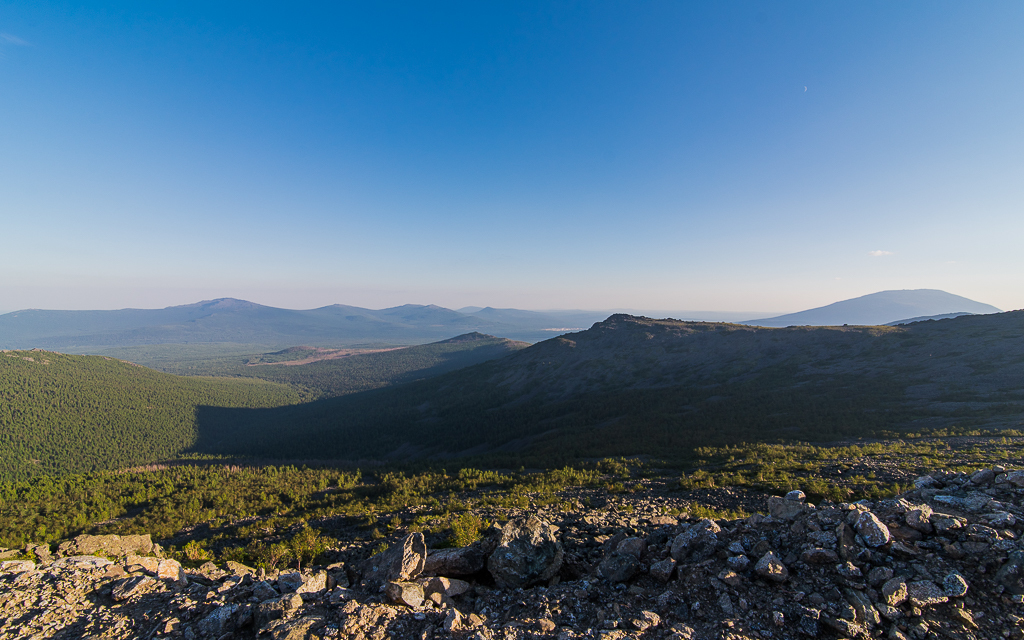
x,y
1000,519
871,529
168,569
546,625
778,618
262,590
924,593
983,476
312,585
738,563
944,522
289,582
239,569
700,538
408,593
618,567
124,589
449,587
402,561
142,563
819,556
662,571
339,595
1011,574
453,621
86,563
923,482
894,591
849,570
528,553
796,495
646,620
783,509
632,546
218,621
954,585
16,566
771,568
878,575
919,518
963,617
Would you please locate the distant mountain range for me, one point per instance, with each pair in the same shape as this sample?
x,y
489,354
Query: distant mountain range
x,y
227,320
884,307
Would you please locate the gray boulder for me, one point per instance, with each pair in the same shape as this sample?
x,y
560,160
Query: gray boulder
x,y
408,593
111,546
528,553
700,539
618,567
1011,574
464,561
403,561
771,568
871,529
785,509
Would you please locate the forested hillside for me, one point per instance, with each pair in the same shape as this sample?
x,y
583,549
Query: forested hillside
x,y
351,373
62,414
633,386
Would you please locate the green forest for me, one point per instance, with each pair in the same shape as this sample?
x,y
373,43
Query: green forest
x,y
207,510
331,377
69,414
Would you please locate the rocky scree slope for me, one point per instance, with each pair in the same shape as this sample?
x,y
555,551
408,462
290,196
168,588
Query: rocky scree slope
x,y
942,561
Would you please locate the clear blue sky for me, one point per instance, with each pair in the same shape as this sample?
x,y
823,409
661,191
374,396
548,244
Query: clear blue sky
x,y
656,155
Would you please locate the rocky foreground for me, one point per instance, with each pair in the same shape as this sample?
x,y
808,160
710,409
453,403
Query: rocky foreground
x,y
942,561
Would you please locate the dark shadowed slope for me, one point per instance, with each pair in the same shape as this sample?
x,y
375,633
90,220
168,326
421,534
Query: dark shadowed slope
x,y
358,372
639,386
64,414
883,307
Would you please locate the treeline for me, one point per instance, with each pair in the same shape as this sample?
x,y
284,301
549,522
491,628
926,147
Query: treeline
x,y
68,414
239,513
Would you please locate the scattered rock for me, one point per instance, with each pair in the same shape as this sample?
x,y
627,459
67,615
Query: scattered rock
x,y
894,591
129,587
785,508
409,594
618,567
870,528
924,593
770,567
662,570
700,539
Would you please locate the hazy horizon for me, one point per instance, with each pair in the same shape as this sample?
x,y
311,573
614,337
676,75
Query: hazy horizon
x,y
732,157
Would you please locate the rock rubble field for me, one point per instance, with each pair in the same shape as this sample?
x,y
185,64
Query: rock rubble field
x,y
944,560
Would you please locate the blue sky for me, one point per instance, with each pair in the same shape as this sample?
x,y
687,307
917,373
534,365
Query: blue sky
x,y
658,155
